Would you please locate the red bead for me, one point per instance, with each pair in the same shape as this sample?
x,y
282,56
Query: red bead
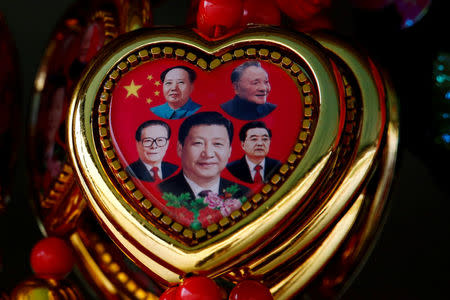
x,y
51,258
169,294
217,17
261,12
301,10
198,288
250,290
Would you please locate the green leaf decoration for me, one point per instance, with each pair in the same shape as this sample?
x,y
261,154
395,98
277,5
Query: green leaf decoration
x,y
177,201
233,189
185,197
197,204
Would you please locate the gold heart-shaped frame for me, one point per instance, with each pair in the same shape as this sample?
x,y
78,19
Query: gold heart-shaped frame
x,y
289,212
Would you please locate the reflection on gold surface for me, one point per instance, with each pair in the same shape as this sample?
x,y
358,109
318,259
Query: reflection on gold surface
x,y
100,280
288,285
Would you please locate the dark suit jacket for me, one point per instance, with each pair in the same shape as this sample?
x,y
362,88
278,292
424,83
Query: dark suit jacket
x,y
178,185
240,169
138,170
243,109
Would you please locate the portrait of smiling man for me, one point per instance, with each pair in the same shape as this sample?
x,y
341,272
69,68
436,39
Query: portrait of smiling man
x,y
178,84
252,87
152,140
204,146
254,166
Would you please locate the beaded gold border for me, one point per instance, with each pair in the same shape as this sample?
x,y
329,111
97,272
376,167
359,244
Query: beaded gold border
x,y
353,109
109,24
151,53
118,273
59,187
352,117
352,123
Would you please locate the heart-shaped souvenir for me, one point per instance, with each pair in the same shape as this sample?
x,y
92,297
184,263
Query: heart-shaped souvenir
x,y
232,158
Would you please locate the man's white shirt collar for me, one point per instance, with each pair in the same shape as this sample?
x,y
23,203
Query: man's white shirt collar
x,y
252,166
149,168
197,189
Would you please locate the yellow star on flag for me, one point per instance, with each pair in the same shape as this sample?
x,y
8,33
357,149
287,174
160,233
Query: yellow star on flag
x,y
156,93
150,77
149,100
157,83
132,89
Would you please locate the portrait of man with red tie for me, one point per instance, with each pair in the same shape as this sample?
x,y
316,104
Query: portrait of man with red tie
x,y
254,166
152,140
204,147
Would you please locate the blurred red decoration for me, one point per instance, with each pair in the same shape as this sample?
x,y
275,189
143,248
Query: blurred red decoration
x,y
261,12
218,17
320,21
51,258
93,40
192,12
250,290
301,10
198,288
169,294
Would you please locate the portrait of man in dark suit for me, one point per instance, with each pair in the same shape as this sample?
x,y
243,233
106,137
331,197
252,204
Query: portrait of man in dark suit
x,y
254,166
204,146
152,140
252,87
178,84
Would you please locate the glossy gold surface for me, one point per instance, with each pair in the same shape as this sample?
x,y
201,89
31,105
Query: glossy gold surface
x,y
46,289
133,14
369,139
216,255
373,133
325,213
91,266
289,284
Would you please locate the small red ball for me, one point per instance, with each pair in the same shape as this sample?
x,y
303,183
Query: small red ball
x,y
198,288
217,17
250,290
169,294
51,258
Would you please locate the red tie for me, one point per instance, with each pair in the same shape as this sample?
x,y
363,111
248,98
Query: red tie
x,y
258,177
155,174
